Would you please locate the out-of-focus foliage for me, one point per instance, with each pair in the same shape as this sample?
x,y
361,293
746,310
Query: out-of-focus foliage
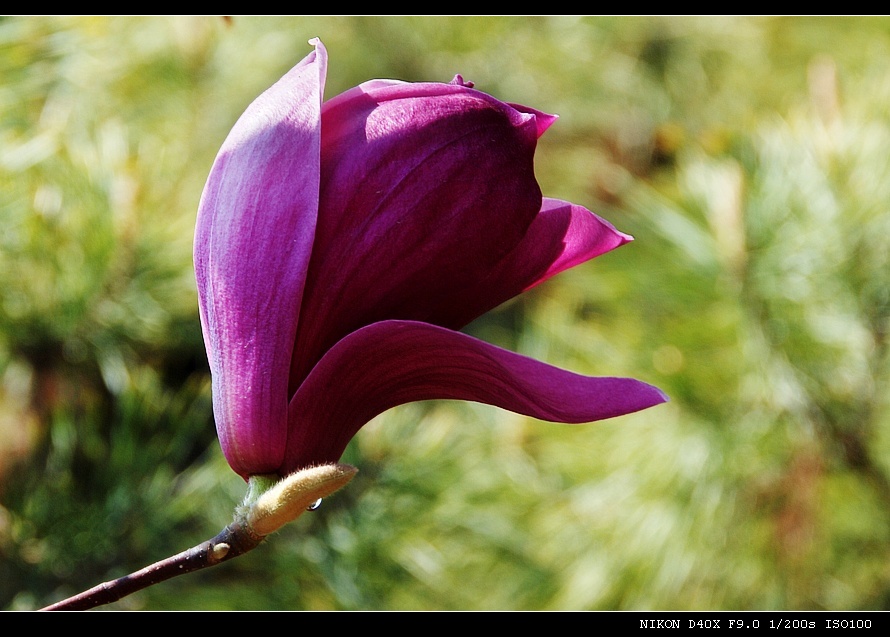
x,y
747,155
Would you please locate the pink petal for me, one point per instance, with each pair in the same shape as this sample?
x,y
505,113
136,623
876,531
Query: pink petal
x,y
395,362
253,240
424,188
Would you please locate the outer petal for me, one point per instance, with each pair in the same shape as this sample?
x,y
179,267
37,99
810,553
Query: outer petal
x,y
395,362
424,188
254,235
562,236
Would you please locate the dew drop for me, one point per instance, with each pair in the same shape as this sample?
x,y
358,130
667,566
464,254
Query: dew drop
x,y
314,505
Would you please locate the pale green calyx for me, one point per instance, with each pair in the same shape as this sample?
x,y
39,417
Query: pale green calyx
x,y
271,503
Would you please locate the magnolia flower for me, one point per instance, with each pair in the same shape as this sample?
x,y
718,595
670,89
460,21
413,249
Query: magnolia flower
x,y
341,244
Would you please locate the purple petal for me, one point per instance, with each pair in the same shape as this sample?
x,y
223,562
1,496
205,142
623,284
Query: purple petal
x,y
424,188
579,233
254,235
562,236
395,362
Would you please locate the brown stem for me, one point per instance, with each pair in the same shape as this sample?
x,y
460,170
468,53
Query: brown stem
x,y
234,540
270,503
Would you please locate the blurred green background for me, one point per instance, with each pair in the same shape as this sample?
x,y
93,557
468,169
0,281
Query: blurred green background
x,y
749,158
